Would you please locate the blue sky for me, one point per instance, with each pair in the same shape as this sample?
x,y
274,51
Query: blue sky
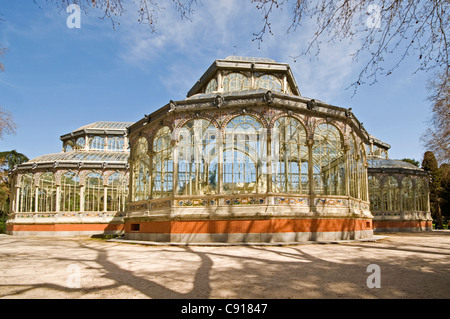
x,y
57,79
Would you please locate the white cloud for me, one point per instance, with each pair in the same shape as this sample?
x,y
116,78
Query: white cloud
x,y
217,27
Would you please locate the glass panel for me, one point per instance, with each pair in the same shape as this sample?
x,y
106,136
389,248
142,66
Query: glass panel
x,y
289,157
212,86
244,167
94,193
162,164
47,193
70,192
407,194
68,147
117,192
269,82
96,143
115,143
328,160
197,158
81,143
26,194
375,193
235,82
390,193
141,170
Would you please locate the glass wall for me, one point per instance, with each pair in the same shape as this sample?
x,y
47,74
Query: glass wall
x,y
47,193
328,161
141,170
244,156
70,192
197,158
162,169
289,157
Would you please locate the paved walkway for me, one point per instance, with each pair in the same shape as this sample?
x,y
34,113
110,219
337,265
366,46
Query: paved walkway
x,y
413,265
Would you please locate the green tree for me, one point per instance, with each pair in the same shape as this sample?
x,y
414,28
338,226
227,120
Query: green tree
x,y
430,165
8,160
411,161
445,192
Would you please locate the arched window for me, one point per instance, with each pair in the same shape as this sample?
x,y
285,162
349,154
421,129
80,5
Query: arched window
x,y
47,193
328,160
93,192
81,143
421,195
115,143
235,82
26,194
68,146
70,192
289,157
390,194
244,165
211,87
269,82
353,160
141,170
407,194
96,143
375,193
197,158
117,192
162,180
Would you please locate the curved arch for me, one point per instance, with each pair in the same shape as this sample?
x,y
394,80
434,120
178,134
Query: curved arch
x,y
390,194
117,192
289,156
244,155
197,158
140,170
162,163
183,122
47,193
93,192
27,194
70,192
269,82
407,191
96,143
235,81
211,86
328,160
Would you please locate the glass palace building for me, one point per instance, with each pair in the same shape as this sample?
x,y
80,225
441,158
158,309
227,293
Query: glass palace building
x,y
244,158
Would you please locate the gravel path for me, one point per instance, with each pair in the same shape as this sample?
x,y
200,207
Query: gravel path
x,y
413,265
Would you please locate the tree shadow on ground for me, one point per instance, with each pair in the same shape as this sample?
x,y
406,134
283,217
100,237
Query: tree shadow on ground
x,y
303,271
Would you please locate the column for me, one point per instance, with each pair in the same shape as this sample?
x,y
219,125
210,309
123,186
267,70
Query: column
x,y
220,162
175,167
58,195
310,143
81,198
16,199
269,163
36,198
105,197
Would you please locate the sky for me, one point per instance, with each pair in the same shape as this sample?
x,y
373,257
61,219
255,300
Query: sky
x,y
58,79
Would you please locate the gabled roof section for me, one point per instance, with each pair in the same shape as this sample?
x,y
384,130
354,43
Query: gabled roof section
x,y
245,64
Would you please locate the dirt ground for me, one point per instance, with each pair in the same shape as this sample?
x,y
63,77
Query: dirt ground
x,y
412,265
